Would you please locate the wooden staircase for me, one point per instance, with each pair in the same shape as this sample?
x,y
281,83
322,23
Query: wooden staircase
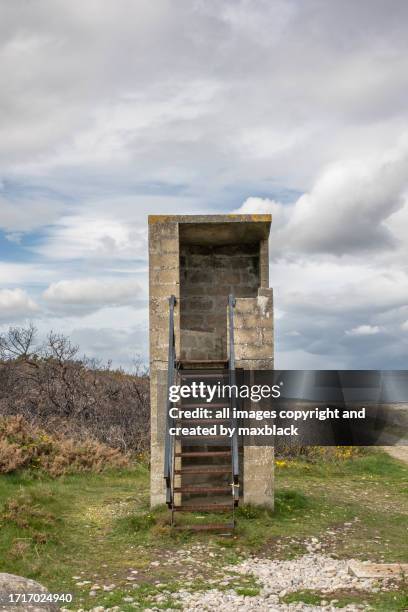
x,y
202,473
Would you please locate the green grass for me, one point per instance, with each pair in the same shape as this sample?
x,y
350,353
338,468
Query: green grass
x,y
76,514
307,597
391,601
370,491
99,525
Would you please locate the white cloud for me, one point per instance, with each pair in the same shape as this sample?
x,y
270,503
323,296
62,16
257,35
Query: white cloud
x,y
364,330
346,210
94,237
13,273
299,358
124,346
24,214
88,294
16,304
339,256
284,76
280,213
404,326
117,333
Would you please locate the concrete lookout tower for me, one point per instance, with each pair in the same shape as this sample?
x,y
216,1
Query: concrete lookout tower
x,y
211,313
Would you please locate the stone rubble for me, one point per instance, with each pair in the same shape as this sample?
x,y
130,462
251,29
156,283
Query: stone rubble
x,y
313,571
277,579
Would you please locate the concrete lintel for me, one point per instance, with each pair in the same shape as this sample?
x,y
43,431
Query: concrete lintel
x,y
266,218
218,229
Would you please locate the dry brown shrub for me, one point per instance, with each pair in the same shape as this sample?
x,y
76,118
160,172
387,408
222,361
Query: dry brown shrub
x,y
11,457
19,548
21,511
78,400
25,446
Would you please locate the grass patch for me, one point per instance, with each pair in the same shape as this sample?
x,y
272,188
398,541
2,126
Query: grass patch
x,y
397,601
136,523
142,597
392,601
255,524
97,526
248,591
369,493
52,529
307,597
288,502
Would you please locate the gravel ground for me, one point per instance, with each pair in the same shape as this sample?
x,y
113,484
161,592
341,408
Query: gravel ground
x,y
276,578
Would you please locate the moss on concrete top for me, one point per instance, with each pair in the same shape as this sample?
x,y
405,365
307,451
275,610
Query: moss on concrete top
x,y
266,218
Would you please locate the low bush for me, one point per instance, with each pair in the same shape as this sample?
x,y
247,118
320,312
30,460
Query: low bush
x,y
51,385
315,454
25,446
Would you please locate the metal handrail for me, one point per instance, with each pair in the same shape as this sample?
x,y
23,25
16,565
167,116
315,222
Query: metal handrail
x,y
233,400
169,440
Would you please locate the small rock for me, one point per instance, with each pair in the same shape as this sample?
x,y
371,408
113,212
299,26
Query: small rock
x,y
9,583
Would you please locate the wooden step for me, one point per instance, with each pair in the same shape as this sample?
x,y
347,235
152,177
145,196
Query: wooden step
x,y
208,527
203,470
204,508
204,454
194,489
202,364
201,374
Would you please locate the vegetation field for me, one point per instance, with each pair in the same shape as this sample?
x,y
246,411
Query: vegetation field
x,y
79,531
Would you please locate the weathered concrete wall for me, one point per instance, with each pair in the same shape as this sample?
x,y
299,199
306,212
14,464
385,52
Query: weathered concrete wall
x,y
253,331
163,281
207,275
158,403
258,479
253,335
264,263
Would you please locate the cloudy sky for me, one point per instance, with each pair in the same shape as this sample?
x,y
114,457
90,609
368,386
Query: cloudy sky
x,y
110,111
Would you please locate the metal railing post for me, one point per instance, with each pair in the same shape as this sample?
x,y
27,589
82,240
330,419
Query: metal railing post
x,y
169,440
233,402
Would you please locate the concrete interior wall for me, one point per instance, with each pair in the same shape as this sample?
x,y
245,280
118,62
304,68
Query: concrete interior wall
x,y
208,274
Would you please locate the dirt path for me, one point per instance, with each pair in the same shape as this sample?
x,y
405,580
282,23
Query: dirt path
x,y
398,452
